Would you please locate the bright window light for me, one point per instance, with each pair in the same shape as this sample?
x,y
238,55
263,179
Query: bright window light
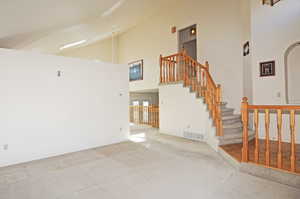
x,y
72,44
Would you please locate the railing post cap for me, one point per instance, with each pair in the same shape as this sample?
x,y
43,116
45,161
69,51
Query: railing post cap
x,y
245,99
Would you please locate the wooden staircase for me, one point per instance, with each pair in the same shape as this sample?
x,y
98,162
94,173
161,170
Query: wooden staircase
x,y
233,130
181,68
232,125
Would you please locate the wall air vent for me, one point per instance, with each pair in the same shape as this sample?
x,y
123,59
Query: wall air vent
x,y
193,136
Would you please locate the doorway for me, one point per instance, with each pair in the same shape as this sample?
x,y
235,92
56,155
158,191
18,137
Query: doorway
x,y
187,40
292,71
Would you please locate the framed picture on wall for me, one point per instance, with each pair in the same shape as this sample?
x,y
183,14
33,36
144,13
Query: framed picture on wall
x,y
270,2
246,49
267,69
136,70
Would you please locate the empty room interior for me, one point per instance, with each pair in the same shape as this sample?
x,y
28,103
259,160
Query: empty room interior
x,y
140,99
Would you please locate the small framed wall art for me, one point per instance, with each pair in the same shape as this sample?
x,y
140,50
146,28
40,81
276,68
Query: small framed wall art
x,y
270,2
267,69
246,49
136,70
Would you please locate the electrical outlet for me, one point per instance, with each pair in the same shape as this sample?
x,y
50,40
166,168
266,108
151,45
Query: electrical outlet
x,y
121,129
5,147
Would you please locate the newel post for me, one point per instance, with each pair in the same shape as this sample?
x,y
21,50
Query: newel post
x,y
244,111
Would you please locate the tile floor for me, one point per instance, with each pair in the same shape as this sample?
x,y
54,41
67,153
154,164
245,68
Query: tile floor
x,y
150,166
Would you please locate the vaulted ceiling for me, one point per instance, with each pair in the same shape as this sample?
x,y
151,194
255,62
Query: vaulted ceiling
x,y
46,25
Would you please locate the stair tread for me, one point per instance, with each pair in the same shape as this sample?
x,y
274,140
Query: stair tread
x,y
229,117
233,126
236,135
227,109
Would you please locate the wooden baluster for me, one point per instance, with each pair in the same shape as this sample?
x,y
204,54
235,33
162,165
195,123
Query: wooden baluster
x,y
195,76
157,117
188,72
245,149
154,112
198,81
160,65
177,67
181,67
150,114
293,141
203,83
207,96
219,110
256,123
173,69
279,131
168,70
162,71
213,104
267,141
185,71
165,70
192,75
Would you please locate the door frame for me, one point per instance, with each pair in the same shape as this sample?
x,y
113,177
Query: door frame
x,y
178,37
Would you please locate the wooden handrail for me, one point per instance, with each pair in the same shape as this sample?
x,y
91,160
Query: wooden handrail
x,y
148,115
180,67
274,107
265,140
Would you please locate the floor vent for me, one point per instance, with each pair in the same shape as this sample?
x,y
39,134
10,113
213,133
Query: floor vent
x,y
193,136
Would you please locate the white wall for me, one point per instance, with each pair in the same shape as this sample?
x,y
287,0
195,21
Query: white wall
x,y
219,41
181,111
44,115
293,70
273,31
247,69
104,50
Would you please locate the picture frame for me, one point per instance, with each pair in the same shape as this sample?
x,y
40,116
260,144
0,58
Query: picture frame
x,y
270,2
267,69
136,70
246,48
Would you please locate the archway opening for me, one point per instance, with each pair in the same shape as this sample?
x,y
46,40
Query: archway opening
x,y
292,74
